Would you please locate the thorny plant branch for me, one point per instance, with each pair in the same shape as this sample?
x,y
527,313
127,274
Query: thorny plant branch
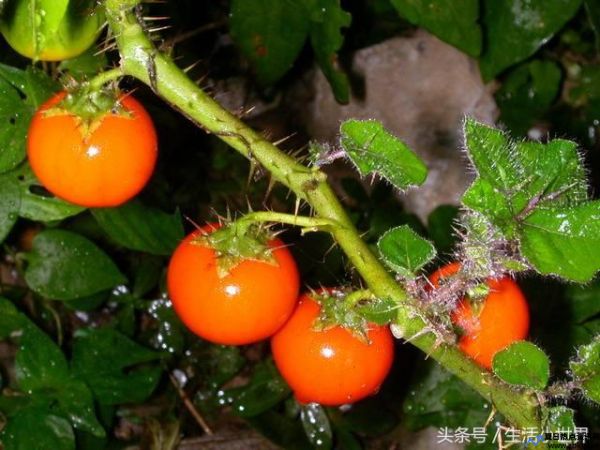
x,y
141,59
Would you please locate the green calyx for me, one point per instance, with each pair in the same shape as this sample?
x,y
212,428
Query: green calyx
x,y
237,242
344,308
90,104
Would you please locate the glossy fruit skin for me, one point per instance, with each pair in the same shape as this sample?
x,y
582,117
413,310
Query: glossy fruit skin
x,y
248,305
24,29
105,168
331,367
503,318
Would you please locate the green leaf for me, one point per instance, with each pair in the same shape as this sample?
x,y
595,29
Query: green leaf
x,y
564,241
141,228
35,429
270,33
453,21
584,301
108,362
404,251
371,417
523,364
35,202
64,266
374,150
222,363
41,370
265,389
147,273
327,20
516,29
592,9
438,398
21,93
39,362
76,401
11,319
527,93
10,202
88,64
586,369
170,332
559,418
316,425
284,431
585,86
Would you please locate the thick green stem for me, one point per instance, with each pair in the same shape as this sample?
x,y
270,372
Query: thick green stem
x,y
139,58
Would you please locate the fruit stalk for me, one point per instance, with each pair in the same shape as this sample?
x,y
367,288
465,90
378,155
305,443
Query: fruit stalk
x,y
140,59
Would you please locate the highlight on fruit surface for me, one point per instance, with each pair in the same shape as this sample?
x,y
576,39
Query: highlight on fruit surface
x,y
330,366
226,297
102,161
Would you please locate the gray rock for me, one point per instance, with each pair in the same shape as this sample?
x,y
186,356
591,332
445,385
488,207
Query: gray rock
x,y
420,89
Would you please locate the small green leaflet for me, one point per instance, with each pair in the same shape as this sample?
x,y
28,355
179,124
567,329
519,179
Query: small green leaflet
x,y
557,418
523,364
404,251
373,149
586,369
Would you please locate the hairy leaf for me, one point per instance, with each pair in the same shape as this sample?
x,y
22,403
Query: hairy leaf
x,y
372,149
523,364
564,241
404,251
586,369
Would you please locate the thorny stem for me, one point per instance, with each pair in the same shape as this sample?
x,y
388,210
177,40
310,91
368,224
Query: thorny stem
x,y
140,59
